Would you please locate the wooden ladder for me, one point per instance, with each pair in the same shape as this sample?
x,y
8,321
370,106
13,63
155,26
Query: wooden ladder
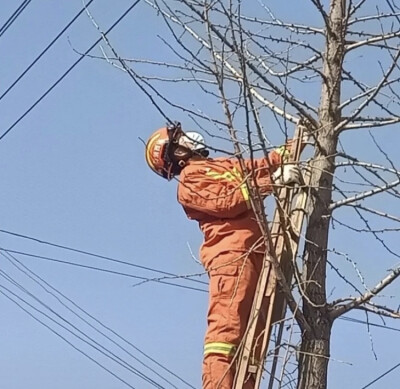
x,y
269,306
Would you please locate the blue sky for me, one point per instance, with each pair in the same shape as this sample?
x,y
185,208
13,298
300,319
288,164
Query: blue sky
x,y
73,174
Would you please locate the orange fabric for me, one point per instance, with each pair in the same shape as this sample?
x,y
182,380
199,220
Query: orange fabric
x,y
233,280
217,373
212,191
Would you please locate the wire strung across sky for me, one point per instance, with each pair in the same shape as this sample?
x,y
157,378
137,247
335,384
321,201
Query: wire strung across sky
x,y
345,318
5,291
381,376
103,257
143,279
353,320
14,17
45,50
349,319
55,292
2,30
90,342
69,69
74,330
105,368
16,302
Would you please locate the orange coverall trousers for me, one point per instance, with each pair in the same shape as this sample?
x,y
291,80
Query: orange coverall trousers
x,y
233,280
212,192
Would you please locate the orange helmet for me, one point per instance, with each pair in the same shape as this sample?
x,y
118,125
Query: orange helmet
x,y
156,153
169,149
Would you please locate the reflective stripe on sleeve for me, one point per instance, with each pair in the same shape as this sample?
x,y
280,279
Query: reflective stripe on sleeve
x,y
245,194
284,152
243,187
220,348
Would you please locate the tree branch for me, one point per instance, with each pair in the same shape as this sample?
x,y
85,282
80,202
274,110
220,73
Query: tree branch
x,y
364,195
337,309
357,112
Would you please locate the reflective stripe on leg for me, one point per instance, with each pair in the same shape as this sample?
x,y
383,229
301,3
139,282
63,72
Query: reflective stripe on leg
x,y
220,348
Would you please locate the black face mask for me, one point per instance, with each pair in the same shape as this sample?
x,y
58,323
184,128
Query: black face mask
x,y
176,156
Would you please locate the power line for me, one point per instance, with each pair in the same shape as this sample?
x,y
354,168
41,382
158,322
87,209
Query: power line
x,y
345,318
101,269
368,323
69,69
75,331
68,248
45,50
381,376
368,385
14,17
56,293
90,341
358,321
62,337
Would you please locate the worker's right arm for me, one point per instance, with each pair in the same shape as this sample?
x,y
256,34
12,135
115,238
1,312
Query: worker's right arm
x,y
261,170
217,190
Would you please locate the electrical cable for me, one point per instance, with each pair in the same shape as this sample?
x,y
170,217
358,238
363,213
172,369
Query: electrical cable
x,y
142,267
102,270
45,50
69,70
56,293
345,318
381,376
85,354
367,323
96,345
14,17
98,256
65,339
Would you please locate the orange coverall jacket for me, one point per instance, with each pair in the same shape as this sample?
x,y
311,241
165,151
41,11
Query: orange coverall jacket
x,y
214,192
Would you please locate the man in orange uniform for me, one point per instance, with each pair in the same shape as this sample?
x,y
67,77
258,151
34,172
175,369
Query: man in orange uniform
x,y
214,192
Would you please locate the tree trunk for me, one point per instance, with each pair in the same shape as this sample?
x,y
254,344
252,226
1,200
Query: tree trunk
x,y
314,352
315,347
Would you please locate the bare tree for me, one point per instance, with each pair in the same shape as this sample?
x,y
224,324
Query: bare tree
x,y
340,75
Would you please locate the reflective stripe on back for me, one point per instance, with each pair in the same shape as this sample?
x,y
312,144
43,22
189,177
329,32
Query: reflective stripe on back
x,y
232,176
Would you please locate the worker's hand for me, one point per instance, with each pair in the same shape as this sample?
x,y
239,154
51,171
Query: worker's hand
x,y
287,174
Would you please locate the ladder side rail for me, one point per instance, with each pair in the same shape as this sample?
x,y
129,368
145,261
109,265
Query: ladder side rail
x,y
282,211
297,220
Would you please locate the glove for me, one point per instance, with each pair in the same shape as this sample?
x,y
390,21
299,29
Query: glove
x,y
287,174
